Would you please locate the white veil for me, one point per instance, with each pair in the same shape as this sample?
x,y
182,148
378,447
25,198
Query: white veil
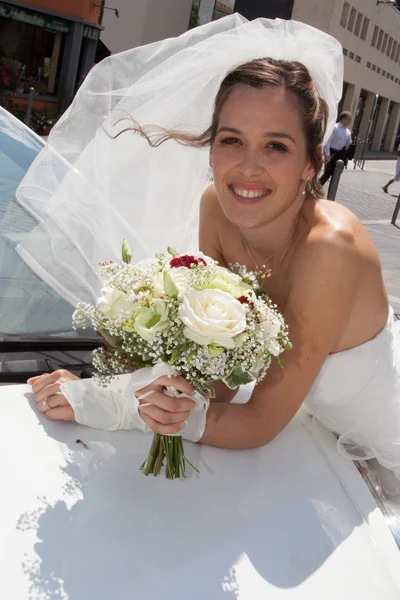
x,y
89,191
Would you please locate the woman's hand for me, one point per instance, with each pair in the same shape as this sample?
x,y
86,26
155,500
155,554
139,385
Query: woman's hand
x,y
162,413
48,398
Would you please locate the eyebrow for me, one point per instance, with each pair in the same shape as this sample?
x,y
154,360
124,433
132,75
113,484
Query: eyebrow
x,y
275,134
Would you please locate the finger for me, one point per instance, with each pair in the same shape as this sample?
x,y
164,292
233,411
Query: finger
x,y
32,380
51,402
162,416
43,380
179,383
47,391
49,378
160,428
169,403
61,413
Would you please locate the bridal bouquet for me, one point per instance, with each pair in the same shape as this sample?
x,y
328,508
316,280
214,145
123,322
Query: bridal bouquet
x,y
205,322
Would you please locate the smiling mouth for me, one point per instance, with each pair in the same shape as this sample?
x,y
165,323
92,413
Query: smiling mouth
x,y
249,195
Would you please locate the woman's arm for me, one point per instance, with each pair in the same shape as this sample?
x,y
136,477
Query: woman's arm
x,y
319,307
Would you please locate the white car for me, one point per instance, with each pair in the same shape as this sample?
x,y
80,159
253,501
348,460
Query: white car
x,y
79,521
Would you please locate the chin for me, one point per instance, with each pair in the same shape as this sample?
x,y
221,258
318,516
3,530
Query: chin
x,y
244,217
244,212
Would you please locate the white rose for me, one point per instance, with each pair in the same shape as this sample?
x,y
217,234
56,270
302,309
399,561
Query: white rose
x,y
212,317
113,302
227,281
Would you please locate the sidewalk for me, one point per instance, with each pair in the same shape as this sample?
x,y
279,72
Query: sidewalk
x,y
361,192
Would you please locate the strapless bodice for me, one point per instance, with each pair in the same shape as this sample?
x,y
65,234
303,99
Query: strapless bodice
x,y
357,395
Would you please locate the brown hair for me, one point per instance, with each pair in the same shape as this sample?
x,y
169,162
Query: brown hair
x,y
344,114
292,76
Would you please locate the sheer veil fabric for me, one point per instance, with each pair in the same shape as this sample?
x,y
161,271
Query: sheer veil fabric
x,y
89,191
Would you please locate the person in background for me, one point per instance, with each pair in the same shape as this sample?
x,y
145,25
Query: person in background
x,y
337,145
396,175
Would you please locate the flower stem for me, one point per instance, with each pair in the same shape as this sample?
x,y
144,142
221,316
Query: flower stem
x,y
170,448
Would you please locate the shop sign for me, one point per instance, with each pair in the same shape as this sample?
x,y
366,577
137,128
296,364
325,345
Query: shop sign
x,y
33,18
90,33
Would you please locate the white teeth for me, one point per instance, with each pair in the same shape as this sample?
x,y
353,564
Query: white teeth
x,y
249,193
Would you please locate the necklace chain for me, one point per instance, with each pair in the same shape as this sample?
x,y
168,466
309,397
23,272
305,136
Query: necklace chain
x,y
275,251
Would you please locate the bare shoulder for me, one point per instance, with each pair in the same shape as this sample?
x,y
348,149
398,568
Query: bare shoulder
x,y
211,219
333,242
209,204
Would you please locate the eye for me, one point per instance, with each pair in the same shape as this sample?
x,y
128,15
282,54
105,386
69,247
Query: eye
x,y
277,146
230,141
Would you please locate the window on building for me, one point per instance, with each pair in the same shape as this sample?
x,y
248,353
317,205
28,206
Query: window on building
x,y
392,77
36,54
357,28
387,75
397,80
358,58
345,51
378,70
379,42
374,35
365,27
389,46
394,50
345,14
383,72
368,64
385,40
398,53
352,19
222,9
351,55
373,67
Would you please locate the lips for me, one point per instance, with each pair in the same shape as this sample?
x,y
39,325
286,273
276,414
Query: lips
x,y
249,194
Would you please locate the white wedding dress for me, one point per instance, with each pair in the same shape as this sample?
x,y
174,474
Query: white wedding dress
x,y
357,396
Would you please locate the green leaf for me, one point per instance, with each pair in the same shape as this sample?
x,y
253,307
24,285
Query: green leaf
x,y
170,287
172,251
215,350
126,252
114,341
160,256
237,377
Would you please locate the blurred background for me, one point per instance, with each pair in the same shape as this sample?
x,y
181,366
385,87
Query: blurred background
x,y
50,46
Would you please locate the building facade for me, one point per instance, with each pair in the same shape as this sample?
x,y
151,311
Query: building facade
x,y
370,35
142,22
49,45
369,31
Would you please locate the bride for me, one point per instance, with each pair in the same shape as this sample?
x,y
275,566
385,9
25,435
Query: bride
x,y
264,139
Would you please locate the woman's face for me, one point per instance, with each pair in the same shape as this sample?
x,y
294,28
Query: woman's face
x,y
259,157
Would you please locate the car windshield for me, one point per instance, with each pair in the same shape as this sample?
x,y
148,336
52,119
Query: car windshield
x,y
28,306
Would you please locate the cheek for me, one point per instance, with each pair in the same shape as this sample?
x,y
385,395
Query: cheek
x,y
225,159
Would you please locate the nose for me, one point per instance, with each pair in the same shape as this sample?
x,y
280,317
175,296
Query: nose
x,y
251,163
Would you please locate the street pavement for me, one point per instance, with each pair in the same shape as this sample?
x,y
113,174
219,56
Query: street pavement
x,y
361,192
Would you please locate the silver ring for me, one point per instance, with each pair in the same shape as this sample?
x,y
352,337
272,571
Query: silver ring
x,y
45,403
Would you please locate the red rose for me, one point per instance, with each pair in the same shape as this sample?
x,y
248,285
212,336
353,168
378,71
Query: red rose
x,y
187,260
245,300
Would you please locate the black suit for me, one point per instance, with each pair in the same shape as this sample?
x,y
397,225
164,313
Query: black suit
x,y
330,166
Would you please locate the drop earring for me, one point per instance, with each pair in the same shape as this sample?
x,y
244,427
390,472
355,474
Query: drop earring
x,y
303,193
